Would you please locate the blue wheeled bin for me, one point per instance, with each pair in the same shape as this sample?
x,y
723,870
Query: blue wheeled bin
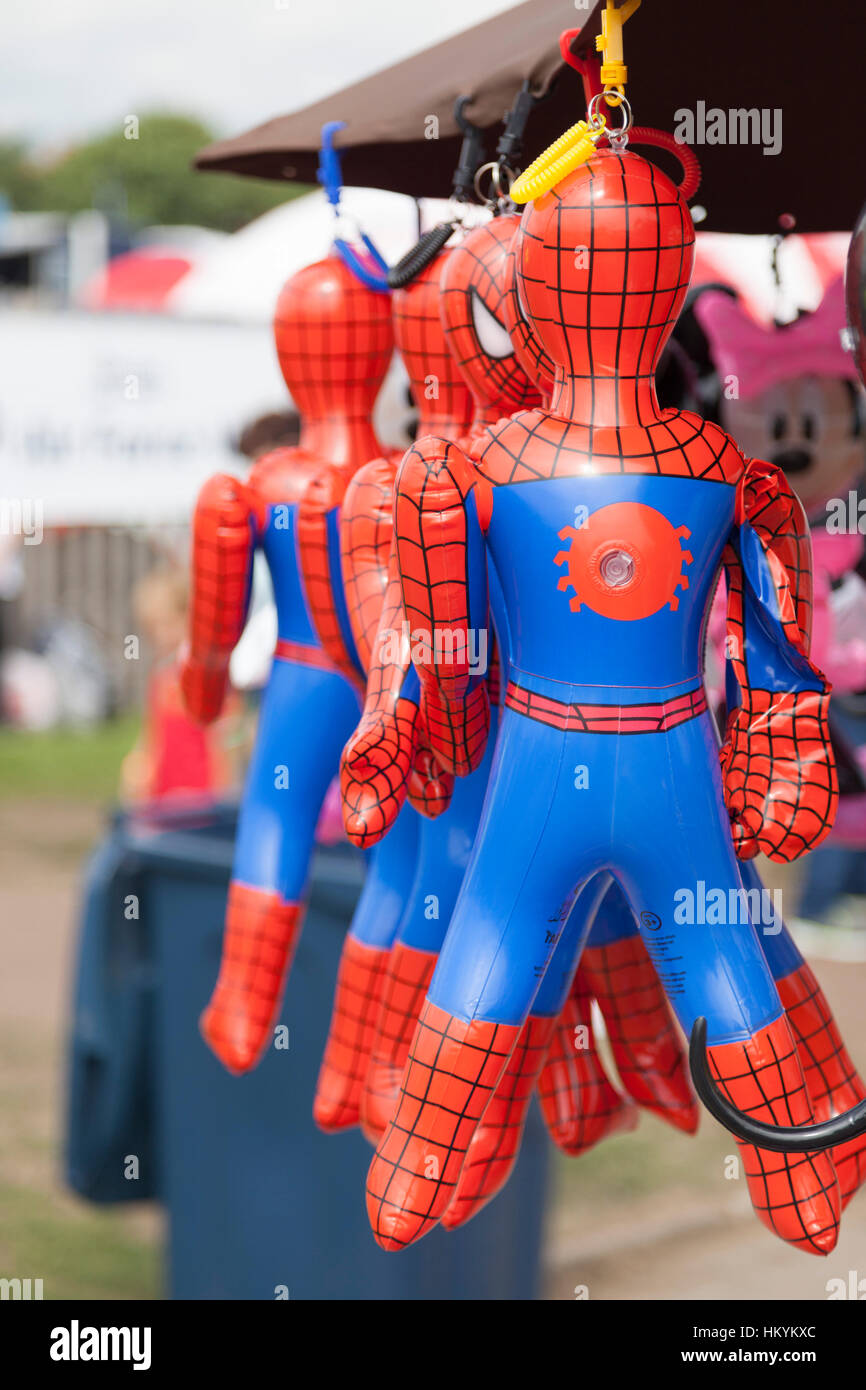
x,y
261,1205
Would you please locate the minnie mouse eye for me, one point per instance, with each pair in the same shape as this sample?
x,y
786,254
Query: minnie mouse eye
x,y
809,430
492,335
778,430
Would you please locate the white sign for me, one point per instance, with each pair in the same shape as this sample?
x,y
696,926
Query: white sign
x,y
110,418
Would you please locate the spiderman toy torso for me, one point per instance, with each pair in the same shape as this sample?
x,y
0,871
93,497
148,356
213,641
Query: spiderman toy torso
x,y
275,489
620,565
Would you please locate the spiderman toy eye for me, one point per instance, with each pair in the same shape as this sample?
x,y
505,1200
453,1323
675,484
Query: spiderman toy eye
x,y
492,335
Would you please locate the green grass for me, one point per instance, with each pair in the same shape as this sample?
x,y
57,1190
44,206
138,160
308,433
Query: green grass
x,y
64,762
77,1251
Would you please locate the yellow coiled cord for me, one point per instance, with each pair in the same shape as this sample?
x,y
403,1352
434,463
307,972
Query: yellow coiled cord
x,y
573,148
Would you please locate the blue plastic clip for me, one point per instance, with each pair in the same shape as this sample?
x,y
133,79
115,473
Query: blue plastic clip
x,y
330,172
368,266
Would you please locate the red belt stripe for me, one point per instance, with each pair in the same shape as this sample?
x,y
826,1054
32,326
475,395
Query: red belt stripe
x,y
304,656
606,719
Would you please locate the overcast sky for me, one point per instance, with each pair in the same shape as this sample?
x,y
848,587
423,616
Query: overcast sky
x,y
71,67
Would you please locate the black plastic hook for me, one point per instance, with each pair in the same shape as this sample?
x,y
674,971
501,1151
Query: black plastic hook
x,y
509,148
777,1138
471,151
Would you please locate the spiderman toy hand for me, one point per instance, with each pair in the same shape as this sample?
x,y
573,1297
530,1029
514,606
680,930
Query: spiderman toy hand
x,y
388,756
203,687
778,774
430,787
383,763
778,770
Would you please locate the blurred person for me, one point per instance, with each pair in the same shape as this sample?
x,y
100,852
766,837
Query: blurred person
x,y
279,429
176,759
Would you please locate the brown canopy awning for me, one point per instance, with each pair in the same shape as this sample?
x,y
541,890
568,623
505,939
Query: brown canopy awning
x,y
790,64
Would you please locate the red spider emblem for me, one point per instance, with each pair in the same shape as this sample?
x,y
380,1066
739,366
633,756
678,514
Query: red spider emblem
x,y
624,561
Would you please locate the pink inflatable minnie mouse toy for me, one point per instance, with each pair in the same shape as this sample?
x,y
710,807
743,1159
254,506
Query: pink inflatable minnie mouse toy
x,y
791,394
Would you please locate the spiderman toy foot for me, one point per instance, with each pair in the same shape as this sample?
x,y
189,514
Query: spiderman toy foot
x,y
452,1072
261,932
795,1195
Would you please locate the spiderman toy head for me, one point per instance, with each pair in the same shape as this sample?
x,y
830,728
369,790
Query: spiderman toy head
x,y
603,266
473,291
334,340
438,387
528,350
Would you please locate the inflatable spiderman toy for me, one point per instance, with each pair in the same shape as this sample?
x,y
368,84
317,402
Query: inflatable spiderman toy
x,y
373,1021
334,342
476,284
380,989
605,521
344,1093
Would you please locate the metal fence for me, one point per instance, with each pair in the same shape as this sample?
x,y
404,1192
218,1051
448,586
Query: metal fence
x,y
89,573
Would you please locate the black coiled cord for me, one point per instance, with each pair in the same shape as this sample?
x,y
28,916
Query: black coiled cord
x,y
425,250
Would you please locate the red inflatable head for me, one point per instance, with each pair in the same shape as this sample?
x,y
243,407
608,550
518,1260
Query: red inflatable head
x,y
473,291
334,340
536,363
441,394
604,261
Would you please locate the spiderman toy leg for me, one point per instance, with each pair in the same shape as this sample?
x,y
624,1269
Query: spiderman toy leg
x,y
646,1047
832,1080
445,845
580,1104
390,873
508,919
616,969
649,1057
556,1050
306,716
493,1150
515,899
689,899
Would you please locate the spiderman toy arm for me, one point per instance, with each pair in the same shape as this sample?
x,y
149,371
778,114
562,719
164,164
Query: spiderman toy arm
x,y
366,534
441,511
319,555
777,764
222,552
386,759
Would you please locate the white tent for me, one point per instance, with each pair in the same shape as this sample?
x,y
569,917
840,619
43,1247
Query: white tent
x,y
239,280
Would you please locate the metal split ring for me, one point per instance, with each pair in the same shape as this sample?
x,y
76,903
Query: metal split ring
x,y
596,117
498,189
